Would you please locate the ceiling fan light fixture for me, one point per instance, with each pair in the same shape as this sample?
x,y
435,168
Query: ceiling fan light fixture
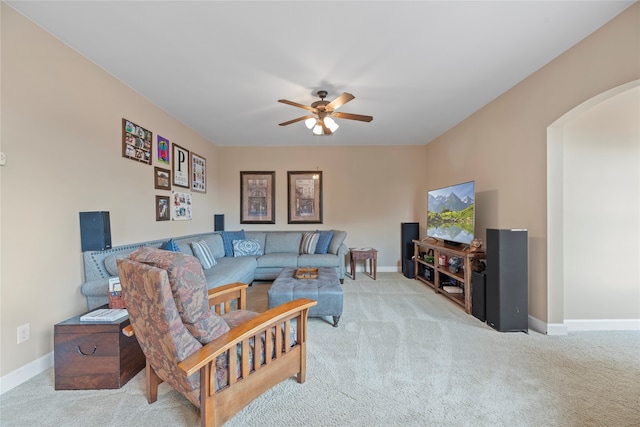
x,y
317,130
311,122
331,124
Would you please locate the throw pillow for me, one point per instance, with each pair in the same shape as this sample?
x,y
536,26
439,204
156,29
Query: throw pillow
x,y
202,251
227,240
324,238
308,243
246,247
171,245
336,241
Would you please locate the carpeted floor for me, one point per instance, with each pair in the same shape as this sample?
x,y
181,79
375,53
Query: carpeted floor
x,y
401,356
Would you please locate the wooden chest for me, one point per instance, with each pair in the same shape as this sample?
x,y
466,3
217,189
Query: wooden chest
x,y
92,355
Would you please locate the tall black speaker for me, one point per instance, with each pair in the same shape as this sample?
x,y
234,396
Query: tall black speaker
x,y
507,286
95,231
478,295
409,231
218,222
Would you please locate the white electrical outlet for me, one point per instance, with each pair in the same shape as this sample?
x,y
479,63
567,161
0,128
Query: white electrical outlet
x,y
23,333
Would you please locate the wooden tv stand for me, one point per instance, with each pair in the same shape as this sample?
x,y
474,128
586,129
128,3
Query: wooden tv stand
x,y
441,273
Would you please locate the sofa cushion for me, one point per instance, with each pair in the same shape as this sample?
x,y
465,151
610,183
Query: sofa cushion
x,y
260,236
189,288
336,241
202,251
246,247
278,259
308,243
227,239
288,242
231,270
215,244
324,239
170,245
317,260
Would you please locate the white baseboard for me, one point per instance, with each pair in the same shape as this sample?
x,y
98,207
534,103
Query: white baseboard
x,y
537,325
557,329
26,372
576,325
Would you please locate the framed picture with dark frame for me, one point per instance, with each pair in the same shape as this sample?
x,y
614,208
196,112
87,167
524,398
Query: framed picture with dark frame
x,y
163,213
180,166
161,178
198,173
136,142
257,197
304,197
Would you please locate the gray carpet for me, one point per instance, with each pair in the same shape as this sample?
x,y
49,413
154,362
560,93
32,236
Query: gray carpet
x,y
401,356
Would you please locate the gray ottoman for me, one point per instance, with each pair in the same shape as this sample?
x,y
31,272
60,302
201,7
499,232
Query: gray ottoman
x,y
326,290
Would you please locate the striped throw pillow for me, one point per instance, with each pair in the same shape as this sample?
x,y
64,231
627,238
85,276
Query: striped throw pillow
x,y
308,243
202,251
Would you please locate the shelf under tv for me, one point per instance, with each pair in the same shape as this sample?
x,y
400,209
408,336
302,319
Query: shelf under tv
x,y
441,273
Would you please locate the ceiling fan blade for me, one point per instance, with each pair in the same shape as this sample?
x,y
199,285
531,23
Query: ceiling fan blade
x,y
350,116
297,120
340,101
295,104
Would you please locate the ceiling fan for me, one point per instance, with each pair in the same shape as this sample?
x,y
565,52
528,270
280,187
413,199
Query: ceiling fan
x,y
321,120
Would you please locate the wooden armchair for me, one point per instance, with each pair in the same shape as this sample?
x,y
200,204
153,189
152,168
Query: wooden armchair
x,y
224,375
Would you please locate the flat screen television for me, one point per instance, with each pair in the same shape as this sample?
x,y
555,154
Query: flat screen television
x,y
451,213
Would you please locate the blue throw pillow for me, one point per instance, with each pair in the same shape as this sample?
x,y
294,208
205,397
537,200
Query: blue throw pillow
x,y
324,239
227,240
246,247
170,245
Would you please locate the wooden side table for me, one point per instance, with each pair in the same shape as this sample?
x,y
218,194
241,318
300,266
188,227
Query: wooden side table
x,y
94,355
370,254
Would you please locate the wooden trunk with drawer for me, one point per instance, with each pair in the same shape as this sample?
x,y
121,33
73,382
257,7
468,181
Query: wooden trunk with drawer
x,y
94,355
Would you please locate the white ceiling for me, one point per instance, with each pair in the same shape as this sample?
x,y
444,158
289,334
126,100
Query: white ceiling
x,y
418,67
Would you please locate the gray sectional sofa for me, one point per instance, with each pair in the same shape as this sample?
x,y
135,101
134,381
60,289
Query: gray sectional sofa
x,y
278,249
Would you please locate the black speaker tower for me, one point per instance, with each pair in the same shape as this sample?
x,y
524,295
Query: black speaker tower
x,y
95,231
409,232
507,286
218,222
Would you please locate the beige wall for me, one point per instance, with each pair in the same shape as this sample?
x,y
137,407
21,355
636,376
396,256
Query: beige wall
x,y
503,145
367,191
601,204
61,132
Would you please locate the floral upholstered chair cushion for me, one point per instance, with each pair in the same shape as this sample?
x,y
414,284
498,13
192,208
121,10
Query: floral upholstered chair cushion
x,y
163,337
189,288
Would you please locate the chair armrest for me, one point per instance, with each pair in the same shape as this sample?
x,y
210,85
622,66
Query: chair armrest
x,y
298,308
223,295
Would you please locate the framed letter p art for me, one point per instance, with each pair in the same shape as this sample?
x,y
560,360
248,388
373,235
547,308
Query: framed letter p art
x,y
180,166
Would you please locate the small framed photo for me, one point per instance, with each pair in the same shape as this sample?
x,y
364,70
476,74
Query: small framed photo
x,y
257,198
304,197
136,142
180,166
161,178
180,206
163,213
163,150
198,173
